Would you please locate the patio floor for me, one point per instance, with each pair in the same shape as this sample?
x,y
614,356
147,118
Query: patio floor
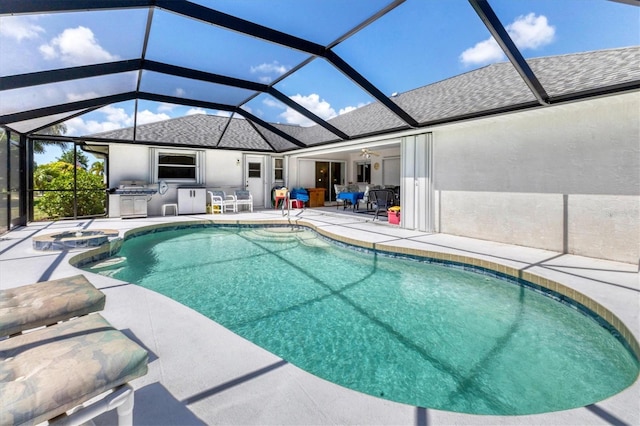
x,y
202,373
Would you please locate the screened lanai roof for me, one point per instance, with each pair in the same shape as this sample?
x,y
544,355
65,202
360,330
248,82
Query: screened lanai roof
x,y
278,75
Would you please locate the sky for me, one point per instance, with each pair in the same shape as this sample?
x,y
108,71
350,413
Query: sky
x,y
418,43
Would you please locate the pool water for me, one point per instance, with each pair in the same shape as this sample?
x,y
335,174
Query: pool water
x,y
418,333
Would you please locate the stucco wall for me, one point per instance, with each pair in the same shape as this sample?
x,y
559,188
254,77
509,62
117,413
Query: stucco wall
x,y
131,162
564,178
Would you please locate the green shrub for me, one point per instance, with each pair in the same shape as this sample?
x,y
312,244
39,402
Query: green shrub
x,y
57,201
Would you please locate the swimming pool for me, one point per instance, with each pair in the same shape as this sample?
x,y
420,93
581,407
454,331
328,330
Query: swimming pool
x,y
417,333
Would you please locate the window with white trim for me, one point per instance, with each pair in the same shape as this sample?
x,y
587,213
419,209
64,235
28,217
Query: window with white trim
x,y
278,169
180,166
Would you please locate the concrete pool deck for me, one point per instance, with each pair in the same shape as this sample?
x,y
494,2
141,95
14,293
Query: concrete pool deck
x,y
201,373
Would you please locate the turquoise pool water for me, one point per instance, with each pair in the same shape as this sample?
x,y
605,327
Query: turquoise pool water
x,y
412,332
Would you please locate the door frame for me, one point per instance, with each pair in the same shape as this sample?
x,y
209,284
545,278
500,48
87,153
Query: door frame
x,y
259,198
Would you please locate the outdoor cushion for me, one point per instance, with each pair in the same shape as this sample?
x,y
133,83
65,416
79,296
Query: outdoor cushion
x,y
48,371
46,303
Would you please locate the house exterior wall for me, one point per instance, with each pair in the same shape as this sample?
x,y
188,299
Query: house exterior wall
x,y
131,162
564,178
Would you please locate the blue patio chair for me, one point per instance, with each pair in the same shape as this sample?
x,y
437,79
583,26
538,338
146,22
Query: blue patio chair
x,y
299,194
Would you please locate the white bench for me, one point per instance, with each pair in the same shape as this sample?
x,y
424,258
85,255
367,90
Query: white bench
x,y
175,209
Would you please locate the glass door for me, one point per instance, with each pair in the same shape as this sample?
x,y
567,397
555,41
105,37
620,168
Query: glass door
x,y
329,173
322,176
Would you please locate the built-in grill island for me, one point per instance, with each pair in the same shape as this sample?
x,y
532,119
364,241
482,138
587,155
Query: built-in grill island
x,y
133,198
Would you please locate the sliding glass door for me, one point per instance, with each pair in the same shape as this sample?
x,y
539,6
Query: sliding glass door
x,y
329,173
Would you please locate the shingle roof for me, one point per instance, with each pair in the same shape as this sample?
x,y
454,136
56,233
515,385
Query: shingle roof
x,y
497,87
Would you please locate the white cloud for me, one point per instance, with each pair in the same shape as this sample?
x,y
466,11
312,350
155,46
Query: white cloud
x,y
146,116
273,68
179,92
531,31
527,32
114,118
19,28
74,97
165,107
247,108
226,114
484,52
269,71
78,126
76,46
117,116
313,103
195,111
273,104
350,108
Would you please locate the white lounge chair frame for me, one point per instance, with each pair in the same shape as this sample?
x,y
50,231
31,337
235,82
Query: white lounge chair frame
x,y
222,200
243,198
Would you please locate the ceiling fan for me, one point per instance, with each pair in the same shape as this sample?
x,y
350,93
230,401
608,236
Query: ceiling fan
x,y
367,153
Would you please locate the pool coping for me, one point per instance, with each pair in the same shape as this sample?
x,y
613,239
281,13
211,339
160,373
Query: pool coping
x,y
171,392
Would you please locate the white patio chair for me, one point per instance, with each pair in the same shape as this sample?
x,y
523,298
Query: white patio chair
x,y
339,189
223,201
243,198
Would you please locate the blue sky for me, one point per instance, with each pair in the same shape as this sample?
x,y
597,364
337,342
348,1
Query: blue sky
x,y
418,43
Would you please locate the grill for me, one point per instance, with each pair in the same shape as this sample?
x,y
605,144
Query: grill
x,y
134,187
134,195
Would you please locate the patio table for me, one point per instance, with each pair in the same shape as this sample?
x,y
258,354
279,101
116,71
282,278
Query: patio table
x,y
351,197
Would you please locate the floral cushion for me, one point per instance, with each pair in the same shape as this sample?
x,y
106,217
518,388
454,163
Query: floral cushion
x,y
46,303
49,371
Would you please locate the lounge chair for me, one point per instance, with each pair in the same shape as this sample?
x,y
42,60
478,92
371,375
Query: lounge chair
x,y
49,371
45,303
243,198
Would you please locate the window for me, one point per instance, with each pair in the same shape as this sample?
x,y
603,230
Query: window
x,y
363,171
278,169
177,166
255,170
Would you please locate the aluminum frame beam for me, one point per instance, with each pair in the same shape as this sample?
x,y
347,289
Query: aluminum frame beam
x,y
214,17
499,33
252,29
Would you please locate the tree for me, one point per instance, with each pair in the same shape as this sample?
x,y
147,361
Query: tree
x,y
44,174
97,168
39,146
67,157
